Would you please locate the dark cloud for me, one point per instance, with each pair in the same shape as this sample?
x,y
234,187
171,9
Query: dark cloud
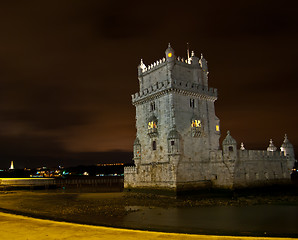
x,y
68,68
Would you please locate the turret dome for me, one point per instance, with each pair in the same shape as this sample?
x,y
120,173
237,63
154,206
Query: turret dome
x,y
287,147
229,140
271,147
173,134
170,53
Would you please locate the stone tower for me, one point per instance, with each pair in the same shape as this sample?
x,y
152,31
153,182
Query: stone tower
x,y
176,124
177,140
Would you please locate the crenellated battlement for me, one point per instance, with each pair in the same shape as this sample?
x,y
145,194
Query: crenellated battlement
x,y
251,155
162,62
151,67
185,88
159,86
189,86
186,61
130,170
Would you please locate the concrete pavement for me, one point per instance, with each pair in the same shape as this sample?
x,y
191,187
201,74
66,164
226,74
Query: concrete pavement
x,y
15,227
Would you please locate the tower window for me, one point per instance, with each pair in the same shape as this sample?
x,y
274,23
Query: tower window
x,y
196,128
196,123
217,128
154,145
231,149
152,126
192,103
152,106
172,143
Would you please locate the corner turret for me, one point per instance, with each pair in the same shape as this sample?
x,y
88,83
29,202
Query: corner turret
x,y
205,72
170,54
287,148
170,59
229,145
271,147
194,59
229,140
141,68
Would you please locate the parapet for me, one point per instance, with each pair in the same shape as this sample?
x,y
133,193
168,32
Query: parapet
x,y
130,170
261,155
162,62
189,88
151,67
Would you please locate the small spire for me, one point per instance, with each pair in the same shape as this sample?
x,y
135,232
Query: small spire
x,y
287,147
202,56
192,53
187,50
286,142
142,65
229,139
271,147
169,45
242,146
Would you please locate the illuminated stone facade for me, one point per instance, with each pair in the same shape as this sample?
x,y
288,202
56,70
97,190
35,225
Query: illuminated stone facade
x,y
177,141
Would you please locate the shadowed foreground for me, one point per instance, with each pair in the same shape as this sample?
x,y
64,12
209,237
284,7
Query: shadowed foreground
x,y
237,216
20,228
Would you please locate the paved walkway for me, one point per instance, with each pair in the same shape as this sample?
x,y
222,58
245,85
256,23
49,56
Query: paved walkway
x,y
14,227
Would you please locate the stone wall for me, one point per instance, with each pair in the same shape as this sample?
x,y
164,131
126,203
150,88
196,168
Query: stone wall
x,y
255,167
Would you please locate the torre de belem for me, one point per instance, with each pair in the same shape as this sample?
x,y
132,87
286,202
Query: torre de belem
x,y
177,140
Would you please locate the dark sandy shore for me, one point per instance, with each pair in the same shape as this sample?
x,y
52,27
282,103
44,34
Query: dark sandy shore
x,y
111,209
19,228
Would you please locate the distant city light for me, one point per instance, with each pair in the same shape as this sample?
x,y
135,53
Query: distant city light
x,y
109,164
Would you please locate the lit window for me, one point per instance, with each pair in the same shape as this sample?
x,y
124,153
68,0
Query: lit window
x,y
196,123
217,128
196,127
152,125
170,54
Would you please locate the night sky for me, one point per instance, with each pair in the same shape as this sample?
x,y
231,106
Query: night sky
x,y
68,69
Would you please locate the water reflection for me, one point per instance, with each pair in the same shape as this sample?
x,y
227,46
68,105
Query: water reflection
x,y
250,220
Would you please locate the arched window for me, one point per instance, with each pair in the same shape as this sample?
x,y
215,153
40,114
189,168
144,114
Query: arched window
x,y
152,106
137,148
154,145
196,127
173,141
152,126
192,103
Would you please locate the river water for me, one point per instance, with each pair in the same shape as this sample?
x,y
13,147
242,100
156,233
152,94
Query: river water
x,y
262,220
116,210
